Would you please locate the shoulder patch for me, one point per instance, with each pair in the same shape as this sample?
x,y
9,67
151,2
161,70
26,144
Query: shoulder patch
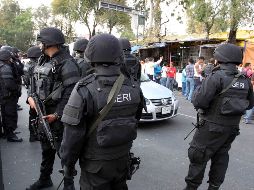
x,y
73,110
88,79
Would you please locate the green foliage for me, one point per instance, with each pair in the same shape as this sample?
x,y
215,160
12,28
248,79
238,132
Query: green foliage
x,y
42,17
220,15
126,32
65,9
205,13
114,18
16,26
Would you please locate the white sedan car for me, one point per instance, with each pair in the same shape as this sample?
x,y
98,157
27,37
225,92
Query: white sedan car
x,y
160,101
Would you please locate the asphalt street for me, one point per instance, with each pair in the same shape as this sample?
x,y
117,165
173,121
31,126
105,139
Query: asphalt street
x,y
160,145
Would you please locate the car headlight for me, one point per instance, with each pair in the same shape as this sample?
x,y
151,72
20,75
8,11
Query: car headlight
x,y
147,101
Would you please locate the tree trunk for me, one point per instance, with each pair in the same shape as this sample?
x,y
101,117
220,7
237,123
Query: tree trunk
x,y
157,19
94,26
207,29
110,29
232,36
151,18
88,27
233,22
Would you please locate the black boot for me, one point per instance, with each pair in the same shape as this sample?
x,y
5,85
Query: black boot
x,y
33,138
69,187
188,187
68,184
3,135
40,184
213,187
13,138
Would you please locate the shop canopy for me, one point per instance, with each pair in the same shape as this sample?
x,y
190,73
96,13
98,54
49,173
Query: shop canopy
x,y
248,56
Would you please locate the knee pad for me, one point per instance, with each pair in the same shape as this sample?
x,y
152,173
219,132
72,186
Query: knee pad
x,y
196,155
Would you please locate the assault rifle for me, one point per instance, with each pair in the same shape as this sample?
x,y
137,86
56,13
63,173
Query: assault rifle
x,y
42,122
198,124
133,165
40,109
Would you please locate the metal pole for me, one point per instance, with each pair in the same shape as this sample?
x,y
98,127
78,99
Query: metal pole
x,y
182,59
137,27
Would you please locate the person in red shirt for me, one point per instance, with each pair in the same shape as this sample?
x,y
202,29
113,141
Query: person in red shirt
x,y
171,74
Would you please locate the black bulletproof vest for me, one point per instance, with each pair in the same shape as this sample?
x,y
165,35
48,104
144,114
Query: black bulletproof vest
x,y
44,75
28,68
208,69
8,83
227,108
114,135
5,70
83,66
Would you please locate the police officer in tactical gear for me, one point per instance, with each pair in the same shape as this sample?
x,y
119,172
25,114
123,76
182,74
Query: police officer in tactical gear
x,y
102,152
33,53
131,65
207,70
56,74
79,49
221,100
17,68
8,96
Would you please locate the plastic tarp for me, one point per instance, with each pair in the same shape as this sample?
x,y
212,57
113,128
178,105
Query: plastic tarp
x,y
248,56
134,49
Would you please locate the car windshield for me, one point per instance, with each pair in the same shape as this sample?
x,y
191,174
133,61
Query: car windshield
x,y
144,77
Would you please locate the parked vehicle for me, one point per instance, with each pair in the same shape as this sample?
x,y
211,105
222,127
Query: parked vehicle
x,y
160,101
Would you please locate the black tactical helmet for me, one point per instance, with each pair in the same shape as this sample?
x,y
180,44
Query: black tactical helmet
x,y
51,36
7,48
15,50
104,48
80,45
228,53
34,52
5,55
125,43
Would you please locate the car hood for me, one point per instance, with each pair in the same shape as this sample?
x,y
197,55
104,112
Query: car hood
x,y
153,90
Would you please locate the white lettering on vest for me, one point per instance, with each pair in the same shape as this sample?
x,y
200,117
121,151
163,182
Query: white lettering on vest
x,y
238,85
123,98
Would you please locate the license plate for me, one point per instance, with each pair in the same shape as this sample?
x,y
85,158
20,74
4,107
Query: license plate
x,y
165,110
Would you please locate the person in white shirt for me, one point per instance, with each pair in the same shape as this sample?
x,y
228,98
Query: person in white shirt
x,y
198,68
164,74
149,67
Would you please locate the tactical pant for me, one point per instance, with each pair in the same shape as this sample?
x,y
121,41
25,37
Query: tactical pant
x,y
104,175
211,141
9,115
2,132
48,158
48,153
